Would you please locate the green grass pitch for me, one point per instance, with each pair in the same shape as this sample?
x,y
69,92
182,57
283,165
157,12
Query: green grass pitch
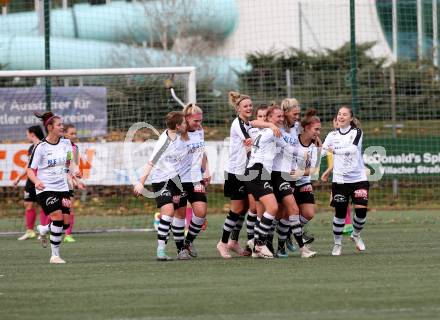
x,y
116,276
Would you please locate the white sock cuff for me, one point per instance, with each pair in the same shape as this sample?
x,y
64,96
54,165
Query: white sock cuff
x,y
177,222
166,218
252,214
267,215
197,220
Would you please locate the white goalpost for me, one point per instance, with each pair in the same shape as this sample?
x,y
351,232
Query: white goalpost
x,y
102,104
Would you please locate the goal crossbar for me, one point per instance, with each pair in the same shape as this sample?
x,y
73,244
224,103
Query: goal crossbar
x,y
191,71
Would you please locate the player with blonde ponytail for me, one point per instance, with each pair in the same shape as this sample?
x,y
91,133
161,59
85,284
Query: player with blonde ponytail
x,y
194,174
235,188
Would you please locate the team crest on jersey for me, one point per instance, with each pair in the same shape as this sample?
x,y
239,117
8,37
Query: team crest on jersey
x,y
285,186
51,200
267,186
361,193
339,198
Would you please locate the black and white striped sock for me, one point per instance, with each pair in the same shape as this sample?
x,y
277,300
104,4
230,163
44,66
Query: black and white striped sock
x,y
178,229
265,226
56,233
163,231
271,232
251,219
338,228
238,226
359,219
257,229
303,220
194,228
295,224
282,230
229,224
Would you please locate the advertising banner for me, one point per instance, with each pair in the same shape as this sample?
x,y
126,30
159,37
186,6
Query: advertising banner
x,y
85,107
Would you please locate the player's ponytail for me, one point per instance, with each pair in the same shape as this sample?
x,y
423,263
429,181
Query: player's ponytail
x,y
47,118
37,131
355,123
235,98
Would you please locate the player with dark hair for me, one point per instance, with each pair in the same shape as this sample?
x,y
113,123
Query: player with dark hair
x,y
309,146
34,134
52,158
163,169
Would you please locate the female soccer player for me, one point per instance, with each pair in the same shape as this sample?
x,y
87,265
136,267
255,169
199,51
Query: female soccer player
x,y
256,210
195,175
70,133
311,128
259,172
52,158
348,228
349,177
235,189
164,165
283,190
34,134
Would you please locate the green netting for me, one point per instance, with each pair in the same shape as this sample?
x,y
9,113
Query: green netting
x,y
269,50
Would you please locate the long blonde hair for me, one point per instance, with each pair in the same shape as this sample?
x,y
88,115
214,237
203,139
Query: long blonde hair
x,y
189,109
235,98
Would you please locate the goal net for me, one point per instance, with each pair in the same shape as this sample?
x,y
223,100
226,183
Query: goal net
x,y
102,104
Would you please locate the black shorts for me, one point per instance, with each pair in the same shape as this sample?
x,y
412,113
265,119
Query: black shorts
x,y
261,183
167,192
357,191
234,188
71,193
51,201
193,192
29,194
304,194
281,185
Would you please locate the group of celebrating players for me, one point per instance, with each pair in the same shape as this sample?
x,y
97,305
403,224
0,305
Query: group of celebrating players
x,y
267,178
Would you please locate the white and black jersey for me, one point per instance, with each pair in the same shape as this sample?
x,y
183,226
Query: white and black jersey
x,y
307,158
166,157
254,132
286,155
191,164
265,147
52,162
348,165
238,154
